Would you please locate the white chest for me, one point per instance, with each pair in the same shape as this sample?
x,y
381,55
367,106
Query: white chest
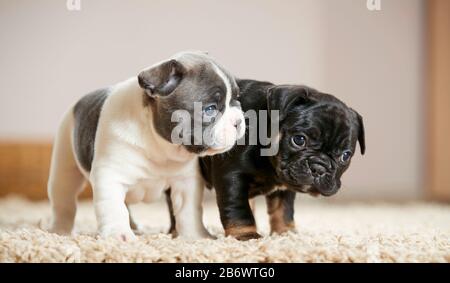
x,y
157,179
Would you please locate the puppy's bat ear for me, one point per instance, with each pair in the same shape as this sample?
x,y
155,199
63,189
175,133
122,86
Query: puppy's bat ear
x,y
361,132
284,97
162,79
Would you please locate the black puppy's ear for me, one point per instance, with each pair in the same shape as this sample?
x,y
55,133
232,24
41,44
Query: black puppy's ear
x,y
162,79
361,133
284,97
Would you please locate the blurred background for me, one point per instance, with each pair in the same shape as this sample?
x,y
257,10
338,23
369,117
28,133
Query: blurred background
x,y
388,59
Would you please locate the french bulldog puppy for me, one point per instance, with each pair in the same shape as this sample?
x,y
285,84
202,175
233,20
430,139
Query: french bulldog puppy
x,y
316,140
120,140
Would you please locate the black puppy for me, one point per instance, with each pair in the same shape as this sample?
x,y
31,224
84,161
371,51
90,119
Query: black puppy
x,y
316,140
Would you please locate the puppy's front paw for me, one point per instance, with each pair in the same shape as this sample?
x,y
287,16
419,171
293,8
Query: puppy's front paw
x,y
242,233
283,228
248,236
57,228
203,234
125,235
62,231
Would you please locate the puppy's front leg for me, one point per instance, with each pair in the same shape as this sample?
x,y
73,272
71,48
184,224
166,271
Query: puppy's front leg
x,y
235,212
186,195
112,214
280,206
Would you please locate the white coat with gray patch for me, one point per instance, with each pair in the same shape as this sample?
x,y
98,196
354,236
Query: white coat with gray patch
x,y
118,139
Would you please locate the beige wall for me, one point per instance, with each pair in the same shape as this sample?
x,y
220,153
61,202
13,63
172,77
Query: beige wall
x,y
375,62
372,60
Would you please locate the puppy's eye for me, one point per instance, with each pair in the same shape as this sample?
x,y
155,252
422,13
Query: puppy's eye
x,y
299,141
346,156
210,111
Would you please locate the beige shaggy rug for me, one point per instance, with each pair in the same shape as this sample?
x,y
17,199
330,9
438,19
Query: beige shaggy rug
x,y
327,232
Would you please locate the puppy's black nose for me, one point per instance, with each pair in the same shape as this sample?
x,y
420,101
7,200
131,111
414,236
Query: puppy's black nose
x,y
319,165
317,169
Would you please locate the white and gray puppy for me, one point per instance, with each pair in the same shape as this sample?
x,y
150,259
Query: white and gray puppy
x,y
119,139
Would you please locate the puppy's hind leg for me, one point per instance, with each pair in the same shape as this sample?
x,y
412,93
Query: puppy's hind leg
x,y
280,207
172,229
65,180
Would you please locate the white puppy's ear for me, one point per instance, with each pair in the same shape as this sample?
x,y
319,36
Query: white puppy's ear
x,y
163,78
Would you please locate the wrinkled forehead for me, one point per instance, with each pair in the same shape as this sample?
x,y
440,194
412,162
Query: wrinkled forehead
x,y
324,121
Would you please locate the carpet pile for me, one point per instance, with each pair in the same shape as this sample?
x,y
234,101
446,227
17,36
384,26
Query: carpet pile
x,y
327,232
